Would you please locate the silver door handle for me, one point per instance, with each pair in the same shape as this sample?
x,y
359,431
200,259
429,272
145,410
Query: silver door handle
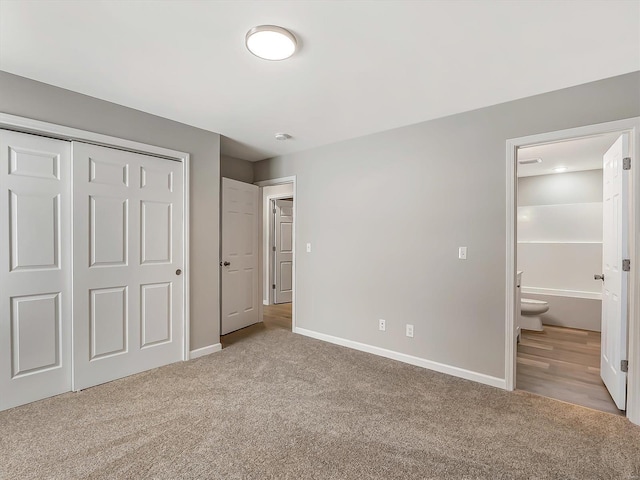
x,y
598,277
225,263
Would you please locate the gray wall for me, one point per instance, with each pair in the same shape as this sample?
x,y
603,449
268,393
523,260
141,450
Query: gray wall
x,y
560,188
27,98
386,213
236,169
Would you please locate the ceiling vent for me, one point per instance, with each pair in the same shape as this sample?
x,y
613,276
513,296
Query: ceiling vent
x,y
530,161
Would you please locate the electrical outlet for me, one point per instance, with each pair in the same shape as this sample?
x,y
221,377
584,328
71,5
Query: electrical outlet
x,y
409,330
382,325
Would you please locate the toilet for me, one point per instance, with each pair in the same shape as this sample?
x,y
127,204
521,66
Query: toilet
x,y
530,310
530,313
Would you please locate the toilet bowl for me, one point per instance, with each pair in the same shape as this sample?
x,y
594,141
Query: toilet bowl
x,y
530,313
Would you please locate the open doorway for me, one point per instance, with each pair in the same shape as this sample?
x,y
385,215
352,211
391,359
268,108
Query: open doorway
x,y
620,321
278,226
562,197
257,258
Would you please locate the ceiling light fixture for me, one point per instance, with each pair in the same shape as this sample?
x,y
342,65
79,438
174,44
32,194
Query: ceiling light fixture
x,y
560,169
271,42
530,161
282,136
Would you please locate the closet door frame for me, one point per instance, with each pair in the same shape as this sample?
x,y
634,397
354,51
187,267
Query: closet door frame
x,y
27,125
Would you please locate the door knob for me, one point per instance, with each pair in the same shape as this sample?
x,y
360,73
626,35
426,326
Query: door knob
x,y
225,263
178,272
598,277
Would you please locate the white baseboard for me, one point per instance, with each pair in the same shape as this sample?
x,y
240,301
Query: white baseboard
x,y
201,352
402,357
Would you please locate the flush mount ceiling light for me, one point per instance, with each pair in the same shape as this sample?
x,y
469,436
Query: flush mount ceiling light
x,y
530,161
560,169
271,42
282,136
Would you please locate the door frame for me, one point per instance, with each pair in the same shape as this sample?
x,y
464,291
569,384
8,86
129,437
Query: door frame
x,y
631,126
36,127
271,238
269,183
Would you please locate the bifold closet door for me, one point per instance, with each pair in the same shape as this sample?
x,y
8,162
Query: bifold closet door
x,y
128,257
35,268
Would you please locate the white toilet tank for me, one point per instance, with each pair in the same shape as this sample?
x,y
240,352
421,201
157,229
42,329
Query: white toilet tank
x,y
529,310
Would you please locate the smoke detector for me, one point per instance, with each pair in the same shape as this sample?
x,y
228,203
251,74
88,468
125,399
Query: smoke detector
x,y
282,136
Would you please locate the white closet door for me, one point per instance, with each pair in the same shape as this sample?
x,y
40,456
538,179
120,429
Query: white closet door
x,y
35,268
128,257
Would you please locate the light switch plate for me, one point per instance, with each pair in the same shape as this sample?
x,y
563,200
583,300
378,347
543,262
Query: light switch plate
x,y
308,248
462,253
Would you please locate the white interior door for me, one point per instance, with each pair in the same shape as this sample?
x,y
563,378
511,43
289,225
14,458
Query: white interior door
x,y
283,258
128,257
614,250
35,268
239,261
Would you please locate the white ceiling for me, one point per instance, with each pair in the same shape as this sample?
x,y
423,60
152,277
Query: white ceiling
x,y
576,155
363,66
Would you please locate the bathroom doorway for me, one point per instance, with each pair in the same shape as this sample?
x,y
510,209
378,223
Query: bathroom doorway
x,y
562,226
278,252
270,195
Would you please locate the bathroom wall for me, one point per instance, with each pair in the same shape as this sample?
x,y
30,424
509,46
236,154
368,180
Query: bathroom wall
x,y
560,245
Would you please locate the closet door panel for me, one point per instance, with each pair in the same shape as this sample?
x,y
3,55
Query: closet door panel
x,y
128,294
35,268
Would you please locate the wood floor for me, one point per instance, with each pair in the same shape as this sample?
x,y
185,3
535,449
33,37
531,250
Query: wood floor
x,y
563,363
278,315
274,316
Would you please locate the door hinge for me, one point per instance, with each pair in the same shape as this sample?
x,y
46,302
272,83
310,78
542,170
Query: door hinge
x,y
624,365
274,210
626,265
273,286
626,163
274,248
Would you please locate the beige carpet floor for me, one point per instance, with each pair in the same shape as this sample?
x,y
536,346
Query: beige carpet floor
x,y
278,405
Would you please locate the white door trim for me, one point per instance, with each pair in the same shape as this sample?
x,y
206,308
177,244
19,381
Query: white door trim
x,y
632,126
280,181
28,125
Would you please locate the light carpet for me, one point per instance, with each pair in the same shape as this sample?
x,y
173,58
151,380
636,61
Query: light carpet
x,y
279,405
